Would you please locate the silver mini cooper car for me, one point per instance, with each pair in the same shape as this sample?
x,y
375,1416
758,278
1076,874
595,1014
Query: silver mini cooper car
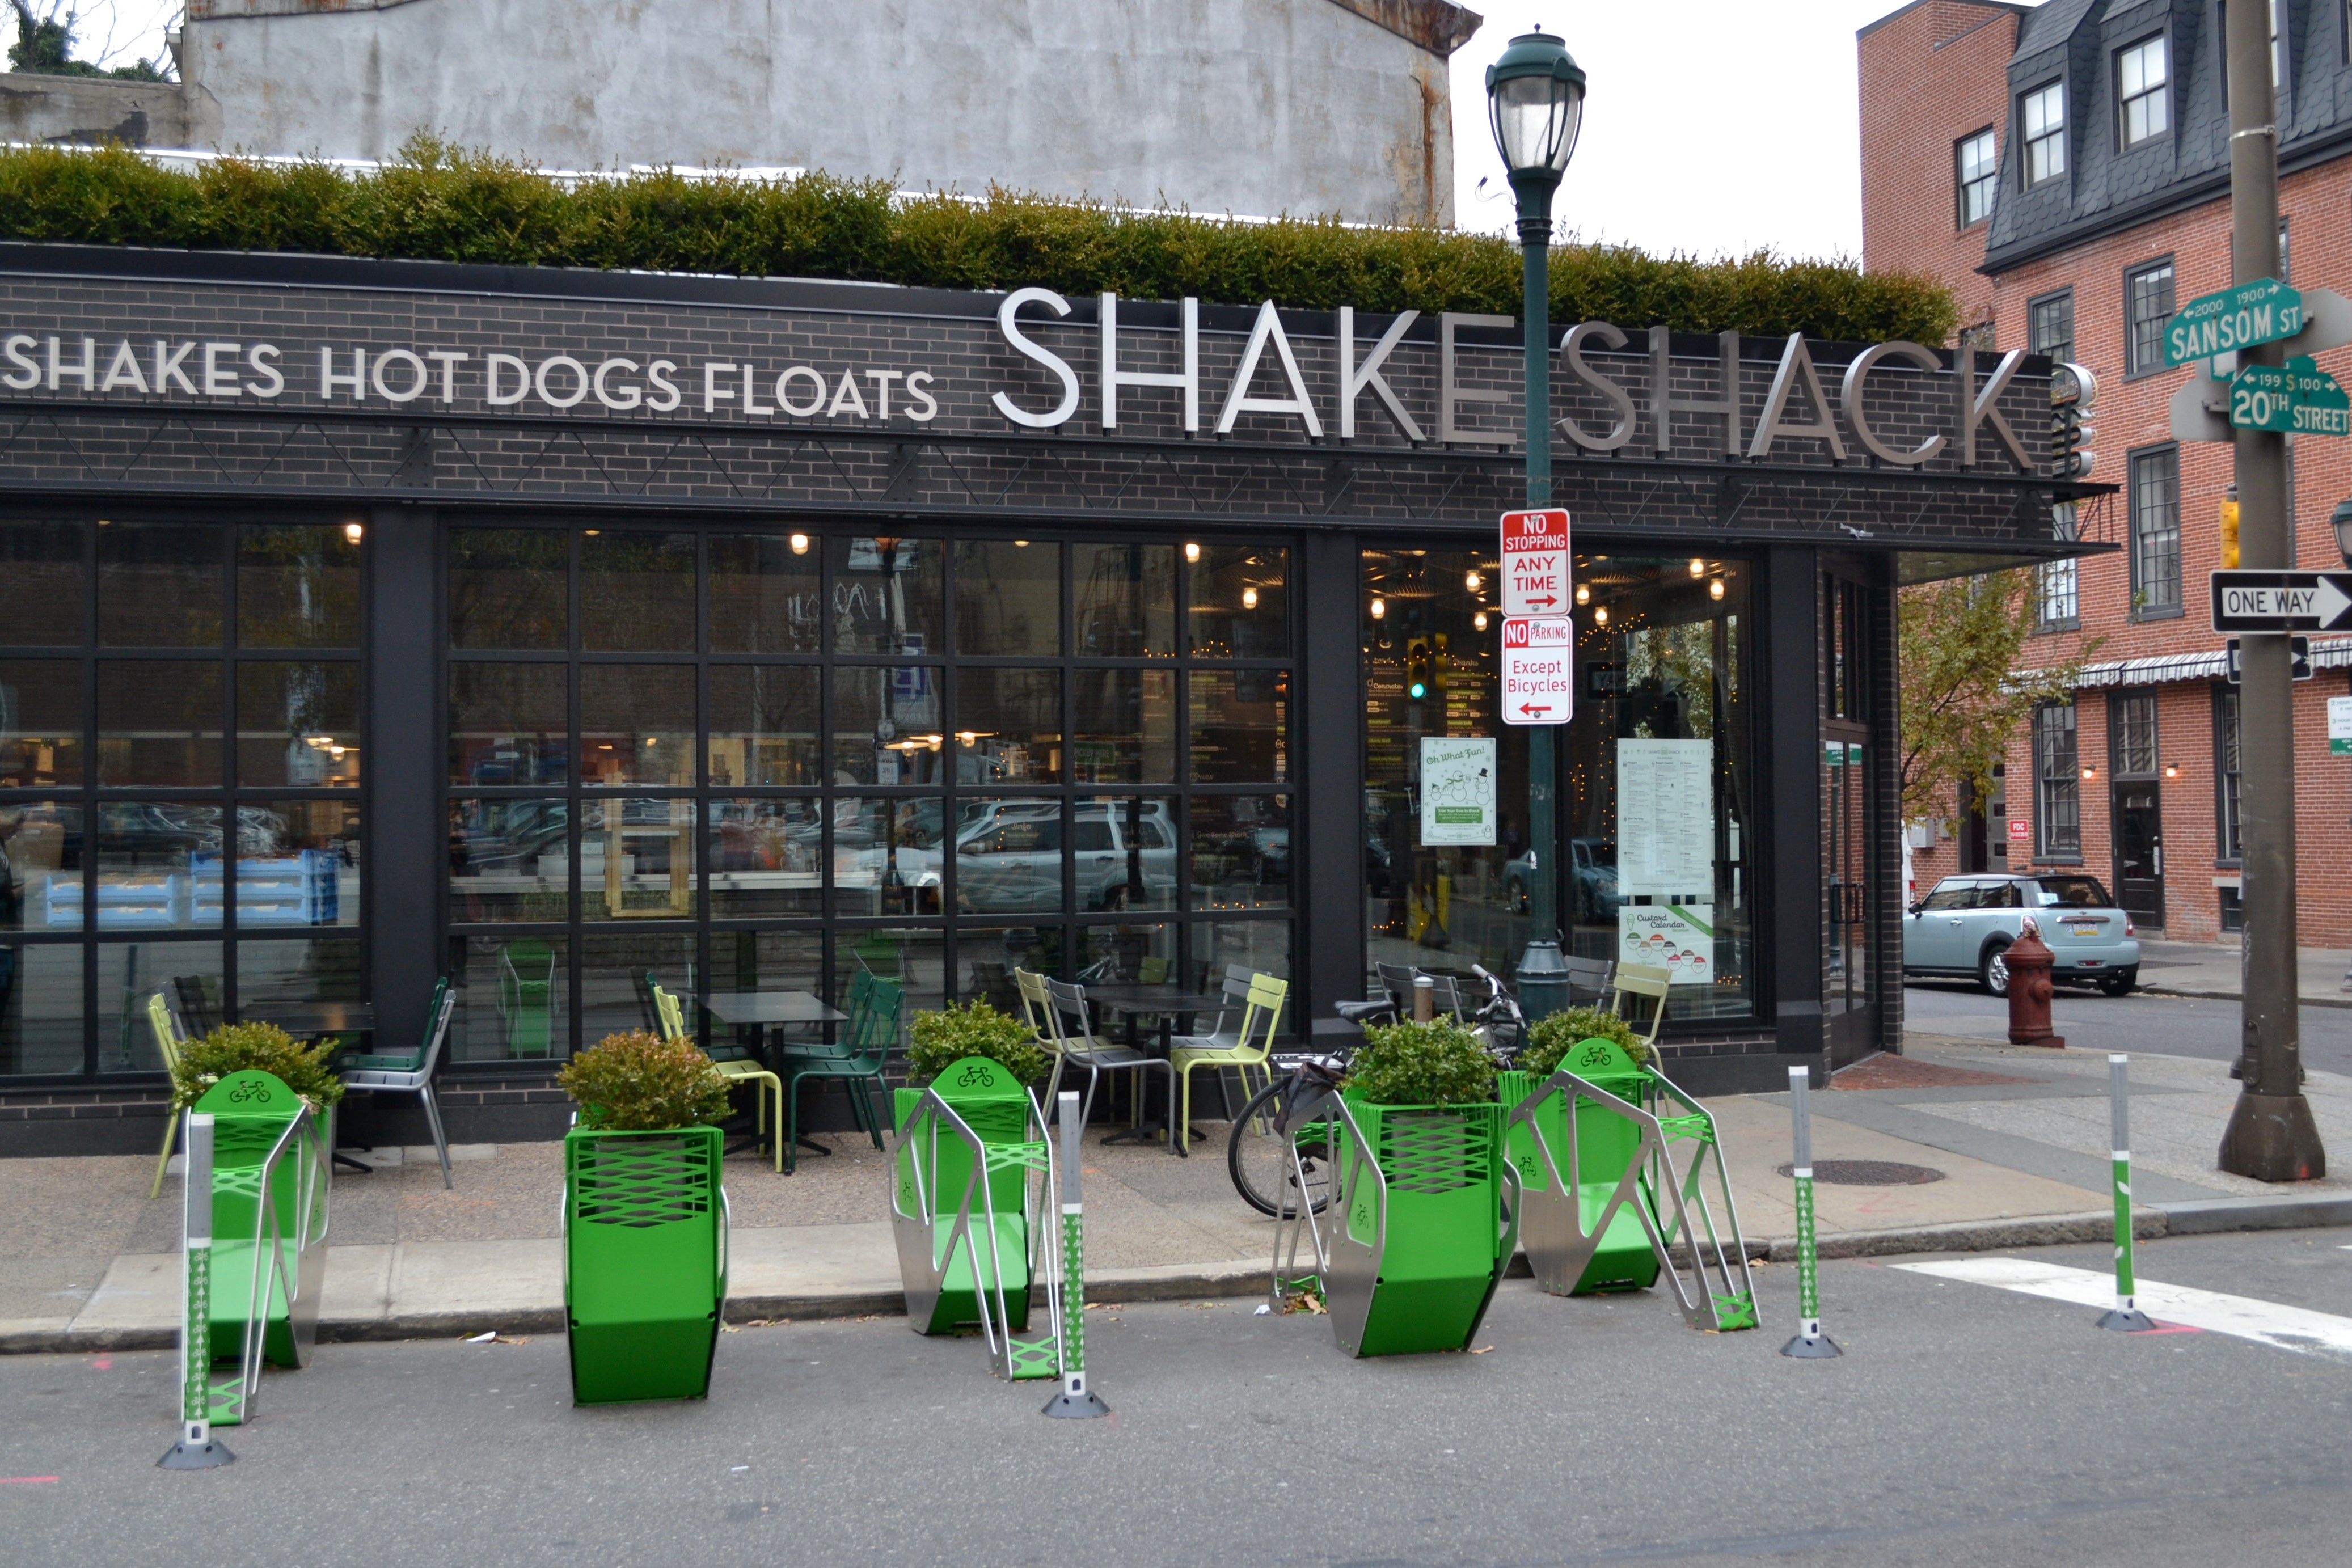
x,y
1965,925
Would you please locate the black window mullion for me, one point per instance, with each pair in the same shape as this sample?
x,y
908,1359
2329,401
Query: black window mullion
x,y
575,808
90,825
229,823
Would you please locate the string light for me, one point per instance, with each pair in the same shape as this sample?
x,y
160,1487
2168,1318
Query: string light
x,y
1698,567
1480,621
1600,616
1471,581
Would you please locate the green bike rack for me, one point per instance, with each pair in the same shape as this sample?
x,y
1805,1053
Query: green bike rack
x,y
1621,1151
1410,1249
973,1179
645,1262
255,1258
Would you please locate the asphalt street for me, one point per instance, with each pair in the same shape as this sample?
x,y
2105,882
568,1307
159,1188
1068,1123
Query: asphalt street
x,y
2170,1026
1965,1423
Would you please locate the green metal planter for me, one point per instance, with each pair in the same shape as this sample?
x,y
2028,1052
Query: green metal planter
x,y
1415,1238
1606,1205
645,1262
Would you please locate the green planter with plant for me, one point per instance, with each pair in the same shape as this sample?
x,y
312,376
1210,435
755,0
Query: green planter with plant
x,y
645,1219
982,1063
1415,1236
1603,1050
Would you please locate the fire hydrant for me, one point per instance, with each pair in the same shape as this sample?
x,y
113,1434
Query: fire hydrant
x,y
2030,989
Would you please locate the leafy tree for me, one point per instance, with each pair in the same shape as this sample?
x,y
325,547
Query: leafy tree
x,y
1963,692
44,47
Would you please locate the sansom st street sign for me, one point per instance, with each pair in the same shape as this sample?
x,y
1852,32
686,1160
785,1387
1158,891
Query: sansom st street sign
x,y
2282,601
2263,311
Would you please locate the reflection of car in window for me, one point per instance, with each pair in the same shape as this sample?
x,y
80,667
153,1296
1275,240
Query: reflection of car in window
x,y
1592,873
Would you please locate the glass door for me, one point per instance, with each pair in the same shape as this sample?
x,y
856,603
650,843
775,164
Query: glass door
x,y
1850,999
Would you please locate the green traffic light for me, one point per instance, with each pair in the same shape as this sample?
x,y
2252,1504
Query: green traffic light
x,y
1419,691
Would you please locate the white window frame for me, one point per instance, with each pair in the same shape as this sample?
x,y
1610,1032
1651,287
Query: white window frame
x,y
2143,91
2041,120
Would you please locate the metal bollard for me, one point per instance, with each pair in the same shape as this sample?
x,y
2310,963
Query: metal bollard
x,y
2124,1317
197,1449
1075,1402
1810,1343
1424,999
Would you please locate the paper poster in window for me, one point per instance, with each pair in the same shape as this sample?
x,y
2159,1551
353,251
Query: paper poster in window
x,y
1677,937
1665,818
1457,789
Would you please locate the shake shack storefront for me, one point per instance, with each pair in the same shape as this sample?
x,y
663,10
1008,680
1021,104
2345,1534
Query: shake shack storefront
x,y
362,623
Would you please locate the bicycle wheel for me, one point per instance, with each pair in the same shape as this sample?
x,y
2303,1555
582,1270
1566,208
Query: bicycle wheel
x,y
1259,1158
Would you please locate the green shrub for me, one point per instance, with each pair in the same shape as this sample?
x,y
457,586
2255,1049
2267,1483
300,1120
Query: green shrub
x,y
1436,1063
949,1035
636,1081
309,1071
1548,1042
436,203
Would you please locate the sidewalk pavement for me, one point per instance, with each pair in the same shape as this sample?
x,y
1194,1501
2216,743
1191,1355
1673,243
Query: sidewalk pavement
x,y
2212,969
2010,1142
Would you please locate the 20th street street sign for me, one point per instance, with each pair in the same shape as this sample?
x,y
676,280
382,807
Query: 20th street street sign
x,y
2297,397
2262,312
2282,601
1539,687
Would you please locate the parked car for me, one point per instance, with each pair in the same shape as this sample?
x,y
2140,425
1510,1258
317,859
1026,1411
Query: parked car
x,y
1965,925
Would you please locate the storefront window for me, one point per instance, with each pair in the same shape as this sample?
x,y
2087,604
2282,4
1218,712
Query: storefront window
x,y
1652,770
189,826
1080,769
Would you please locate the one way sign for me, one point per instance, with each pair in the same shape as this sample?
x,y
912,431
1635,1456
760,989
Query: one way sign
x,y
2282,601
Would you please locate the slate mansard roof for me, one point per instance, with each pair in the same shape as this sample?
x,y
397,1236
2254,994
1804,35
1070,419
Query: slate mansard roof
x,y
2105,188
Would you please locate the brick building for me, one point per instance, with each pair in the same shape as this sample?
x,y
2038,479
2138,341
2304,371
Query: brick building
x,y
2064,167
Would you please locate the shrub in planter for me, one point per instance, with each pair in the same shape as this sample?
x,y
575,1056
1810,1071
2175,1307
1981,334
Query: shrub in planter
x,y
1549,1041
1436,1063
309,1071
636,1081
645,1219
976,1028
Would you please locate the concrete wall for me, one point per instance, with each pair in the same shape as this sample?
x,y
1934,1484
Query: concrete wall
x,y
88,110
1249,106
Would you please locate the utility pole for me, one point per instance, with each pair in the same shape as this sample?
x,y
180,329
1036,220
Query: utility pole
x,y
2270,1135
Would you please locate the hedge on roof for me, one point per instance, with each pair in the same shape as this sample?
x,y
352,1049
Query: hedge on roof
x,y
438,203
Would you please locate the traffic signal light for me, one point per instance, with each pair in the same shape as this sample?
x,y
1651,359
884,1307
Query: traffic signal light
x,y
2230,531
1417,670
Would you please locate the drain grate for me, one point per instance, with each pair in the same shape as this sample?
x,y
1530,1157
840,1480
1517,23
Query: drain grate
x,y
1869,1173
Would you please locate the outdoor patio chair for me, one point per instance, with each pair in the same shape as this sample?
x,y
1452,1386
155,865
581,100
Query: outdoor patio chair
x,y
168,1041
527,995
1587,978
745,1069
1260,1013
1079,1046
857,1061
200,1003
1641,980
1446,998
411,1073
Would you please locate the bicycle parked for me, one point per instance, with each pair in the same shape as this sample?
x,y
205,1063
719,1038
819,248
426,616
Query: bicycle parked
x,y
1257,1152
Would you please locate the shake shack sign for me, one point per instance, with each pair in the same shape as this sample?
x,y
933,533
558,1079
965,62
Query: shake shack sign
x,y
1039,371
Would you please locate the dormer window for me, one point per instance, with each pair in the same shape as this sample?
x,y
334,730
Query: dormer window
x,y
2142,92
2043,115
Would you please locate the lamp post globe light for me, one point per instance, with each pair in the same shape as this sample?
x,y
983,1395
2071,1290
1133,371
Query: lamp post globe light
x,y
1535,105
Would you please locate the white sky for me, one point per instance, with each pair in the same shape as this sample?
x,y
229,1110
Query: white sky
x,y
1710,126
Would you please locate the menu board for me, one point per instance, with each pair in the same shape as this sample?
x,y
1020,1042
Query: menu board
x,y
1457,789
1665,818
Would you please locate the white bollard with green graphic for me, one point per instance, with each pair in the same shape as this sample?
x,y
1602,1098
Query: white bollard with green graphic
x,y
1810,1343
2125,1316
1076,1401
197,1449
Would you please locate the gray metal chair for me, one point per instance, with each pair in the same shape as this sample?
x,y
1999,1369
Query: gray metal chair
x,y
1079,1046
1588,979
411,1073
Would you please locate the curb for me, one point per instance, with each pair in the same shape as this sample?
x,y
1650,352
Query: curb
x,y
1115,1287
2149,990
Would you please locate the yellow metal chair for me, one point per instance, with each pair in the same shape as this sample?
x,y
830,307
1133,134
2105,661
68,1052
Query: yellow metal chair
x,y
764,1083
168,1041
1249,1048
1642,980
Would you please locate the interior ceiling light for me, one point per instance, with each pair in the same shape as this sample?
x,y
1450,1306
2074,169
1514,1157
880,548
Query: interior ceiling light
x,y
1583,594
1715,589
1698,567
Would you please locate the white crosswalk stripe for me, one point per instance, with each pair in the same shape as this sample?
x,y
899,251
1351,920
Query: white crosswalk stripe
x,y
2288,1328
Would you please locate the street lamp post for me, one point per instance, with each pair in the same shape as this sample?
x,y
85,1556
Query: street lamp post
x,y
1534,101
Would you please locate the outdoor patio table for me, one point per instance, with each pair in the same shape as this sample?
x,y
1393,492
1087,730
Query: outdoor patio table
x,y
310,1020
1174,1008
756,1010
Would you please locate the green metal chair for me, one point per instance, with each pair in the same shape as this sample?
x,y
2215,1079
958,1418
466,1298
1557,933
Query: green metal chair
x,y
527,995
410,1072
875,1005
168,1041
